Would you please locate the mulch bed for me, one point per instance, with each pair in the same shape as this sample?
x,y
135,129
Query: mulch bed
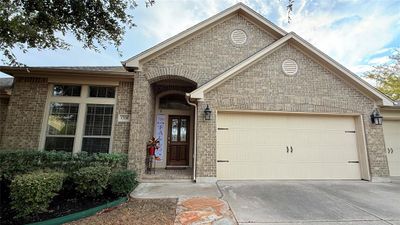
x,y
135,211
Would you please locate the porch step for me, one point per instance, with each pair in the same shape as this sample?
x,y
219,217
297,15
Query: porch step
x,y
162,175
165,180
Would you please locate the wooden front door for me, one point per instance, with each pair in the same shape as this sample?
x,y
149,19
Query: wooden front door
x,y
178,141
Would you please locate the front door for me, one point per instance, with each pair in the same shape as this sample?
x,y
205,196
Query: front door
x,y
178,141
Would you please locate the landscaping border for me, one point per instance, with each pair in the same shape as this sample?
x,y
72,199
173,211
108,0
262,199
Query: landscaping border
x,y
81,214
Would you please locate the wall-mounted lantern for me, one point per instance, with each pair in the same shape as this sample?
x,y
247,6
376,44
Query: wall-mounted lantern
x,y
207,113
376,117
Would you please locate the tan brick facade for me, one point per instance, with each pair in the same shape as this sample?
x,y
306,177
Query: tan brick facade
x,y
265,87
123,106
25,114
210,53
141,127
3,114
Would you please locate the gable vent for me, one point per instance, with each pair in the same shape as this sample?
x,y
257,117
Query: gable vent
x,y
289,67
238,37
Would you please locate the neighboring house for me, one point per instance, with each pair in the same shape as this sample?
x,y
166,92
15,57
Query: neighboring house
x,y
279,108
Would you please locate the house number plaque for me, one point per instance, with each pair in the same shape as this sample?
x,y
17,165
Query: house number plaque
x,y
124,118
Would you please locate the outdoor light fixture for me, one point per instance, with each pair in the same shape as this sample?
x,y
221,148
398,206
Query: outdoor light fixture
x,y
207,113
376,118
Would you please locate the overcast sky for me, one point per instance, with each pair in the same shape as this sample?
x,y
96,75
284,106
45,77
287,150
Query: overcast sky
x,y
356,33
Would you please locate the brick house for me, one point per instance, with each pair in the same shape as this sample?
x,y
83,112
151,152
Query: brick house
x,y
234,97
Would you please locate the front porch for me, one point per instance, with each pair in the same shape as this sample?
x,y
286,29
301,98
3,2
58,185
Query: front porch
x,y
170,175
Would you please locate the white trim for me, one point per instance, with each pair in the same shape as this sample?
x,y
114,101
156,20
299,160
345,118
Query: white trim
x,y
45,119
362,148
386,100
288,112
135,61
83,100
199,92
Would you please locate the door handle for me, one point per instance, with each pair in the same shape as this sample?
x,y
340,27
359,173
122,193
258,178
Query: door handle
x,y
392,150
388,150
287,149
222,160
291,149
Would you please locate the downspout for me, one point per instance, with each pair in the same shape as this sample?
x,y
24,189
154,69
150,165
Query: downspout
x,y
195,135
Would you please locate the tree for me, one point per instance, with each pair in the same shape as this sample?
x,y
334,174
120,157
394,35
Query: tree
x,y
42,24
387,76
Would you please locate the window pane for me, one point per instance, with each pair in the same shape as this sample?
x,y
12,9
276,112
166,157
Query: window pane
x,y
101,92
183,129
59,144
174,129
98,120
94,145
66,90
62,119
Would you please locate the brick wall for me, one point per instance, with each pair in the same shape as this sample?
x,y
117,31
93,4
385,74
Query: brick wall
x,y
26,108
3,114
208,54
264,86
123,106
142,122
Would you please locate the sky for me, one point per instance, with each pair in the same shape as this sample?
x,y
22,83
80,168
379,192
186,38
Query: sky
x,y
357,33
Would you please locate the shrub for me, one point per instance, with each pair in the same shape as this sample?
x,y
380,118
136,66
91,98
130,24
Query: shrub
x,y
32,193
122,182
91,181
17,162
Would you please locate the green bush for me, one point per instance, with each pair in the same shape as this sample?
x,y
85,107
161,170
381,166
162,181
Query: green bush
x,y
17,162
91,181
122,182
32,193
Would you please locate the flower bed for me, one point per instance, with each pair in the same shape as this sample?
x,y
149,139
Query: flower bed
x,y
37,186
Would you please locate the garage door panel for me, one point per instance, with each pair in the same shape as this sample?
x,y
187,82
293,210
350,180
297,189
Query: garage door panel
x,y
391,131
256,147
235,153
325,171
259,171
320,122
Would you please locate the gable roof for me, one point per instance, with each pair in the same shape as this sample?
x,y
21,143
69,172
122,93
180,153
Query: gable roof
x,y
136,61
292,37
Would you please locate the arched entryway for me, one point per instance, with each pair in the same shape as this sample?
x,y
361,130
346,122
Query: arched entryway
x,y
174,127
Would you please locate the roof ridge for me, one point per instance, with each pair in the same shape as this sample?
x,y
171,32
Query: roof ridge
x,y
134,61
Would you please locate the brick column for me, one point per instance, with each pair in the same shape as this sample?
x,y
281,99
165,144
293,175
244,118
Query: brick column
x,y
123,106
378,164
25,114
141,126
206,144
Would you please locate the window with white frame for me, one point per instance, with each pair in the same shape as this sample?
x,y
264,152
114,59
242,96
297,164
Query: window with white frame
x,y
61,126
98,127
79,118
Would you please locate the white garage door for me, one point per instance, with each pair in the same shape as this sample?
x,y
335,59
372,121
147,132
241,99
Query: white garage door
x,y
266,146
391,130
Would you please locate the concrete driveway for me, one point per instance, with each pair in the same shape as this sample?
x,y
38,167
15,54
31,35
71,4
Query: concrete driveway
x,y
313,202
